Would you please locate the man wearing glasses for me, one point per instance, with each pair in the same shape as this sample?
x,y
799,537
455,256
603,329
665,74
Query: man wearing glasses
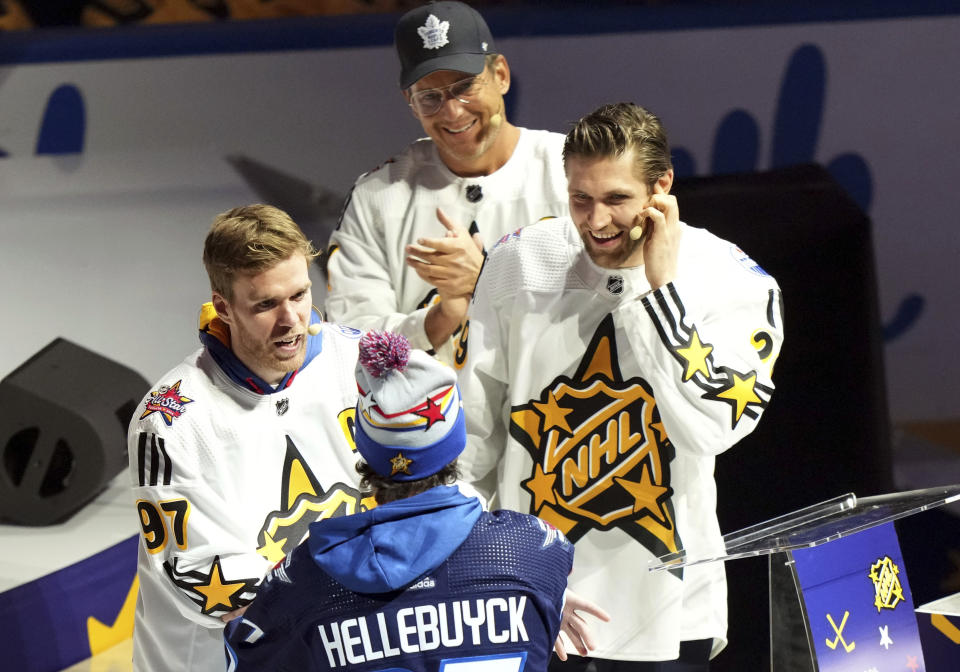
x,y
408,249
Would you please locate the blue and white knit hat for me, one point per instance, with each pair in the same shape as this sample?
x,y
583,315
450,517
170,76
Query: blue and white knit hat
x,y
409,416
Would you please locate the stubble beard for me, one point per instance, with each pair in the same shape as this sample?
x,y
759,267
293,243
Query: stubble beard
x,y
264,357
613,259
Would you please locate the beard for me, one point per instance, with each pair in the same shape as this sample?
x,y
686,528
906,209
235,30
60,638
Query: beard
x,y
262,358
618,257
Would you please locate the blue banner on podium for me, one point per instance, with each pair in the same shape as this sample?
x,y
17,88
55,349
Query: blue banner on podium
x,y
858,603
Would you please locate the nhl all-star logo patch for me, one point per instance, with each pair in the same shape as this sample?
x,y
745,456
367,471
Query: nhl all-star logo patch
x,y
168,402
434,33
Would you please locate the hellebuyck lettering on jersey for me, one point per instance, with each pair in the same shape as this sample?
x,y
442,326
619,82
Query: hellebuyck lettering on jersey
x,y
425,627
602,458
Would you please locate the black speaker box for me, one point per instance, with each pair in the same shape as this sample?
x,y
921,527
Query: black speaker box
x,y
826,431
63,425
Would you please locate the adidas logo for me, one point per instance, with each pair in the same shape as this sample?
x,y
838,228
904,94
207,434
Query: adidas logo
x,y
425,582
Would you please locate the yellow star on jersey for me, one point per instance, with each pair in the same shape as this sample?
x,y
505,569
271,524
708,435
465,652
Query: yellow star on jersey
x,y
554,415
696,355
400,463
741,393
646,495
541,485
272,549
216,592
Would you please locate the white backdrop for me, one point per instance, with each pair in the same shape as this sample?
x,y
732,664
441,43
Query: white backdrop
x,y
103,247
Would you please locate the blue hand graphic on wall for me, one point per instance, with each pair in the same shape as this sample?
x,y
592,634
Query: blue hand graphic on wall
x,y
796,130
64,123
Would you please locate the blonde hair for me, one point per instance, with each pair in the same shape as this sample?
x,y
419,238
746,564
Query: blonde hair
x,y
611,130
250,239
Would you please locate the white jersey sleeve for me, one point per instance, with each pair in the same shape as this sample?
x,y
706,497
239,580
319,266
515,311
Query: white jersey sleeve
x,y
707,343
363,268
188,533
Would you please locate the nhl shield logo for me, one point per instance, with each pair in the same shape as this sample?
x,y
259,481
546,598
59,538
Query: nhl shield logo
x,y
601,454
283,405
615,284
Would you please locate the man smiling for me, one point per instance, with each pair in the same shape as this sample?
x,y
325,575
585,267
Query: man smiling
x,y
407,251
612,354
240,447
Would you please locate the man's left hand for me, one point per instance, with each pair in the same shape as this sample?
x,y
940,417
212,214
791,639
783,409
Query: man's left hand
x,y
451,263
661,238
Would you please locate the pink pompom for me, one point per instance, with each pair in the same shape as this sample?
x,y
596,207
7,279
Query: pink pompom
x,y
384,351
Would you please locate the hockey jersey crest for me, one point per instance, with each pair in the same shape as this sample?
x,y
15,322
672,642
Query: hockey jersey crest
x,y
600,454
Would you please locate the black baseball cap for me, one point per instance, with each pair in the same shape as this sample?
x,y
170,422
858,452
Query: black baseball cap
x,y
445,35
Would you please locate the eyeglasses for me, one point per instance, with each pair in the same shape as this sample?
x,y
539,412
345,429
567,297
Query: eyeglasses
x,y
428,102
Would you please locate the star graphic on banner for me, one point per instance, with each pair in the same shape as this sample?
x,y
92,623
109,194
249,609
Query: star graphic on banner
x,y
740,393
554,415
912,663
696,355
431,411
885,640
399,463
216,592
646,495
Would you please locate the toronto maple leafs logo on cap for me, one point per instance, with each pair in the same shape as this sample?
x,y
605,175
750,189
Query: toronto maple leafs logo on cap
x,y
434,33
444,35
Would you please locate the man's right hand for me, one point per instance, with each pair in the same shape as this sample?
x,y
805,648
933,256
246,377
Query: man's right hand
x,y
575,626
452,265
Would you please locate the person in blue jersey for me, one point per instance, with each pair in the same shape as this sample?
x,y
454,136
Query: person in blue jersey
x,y
425,580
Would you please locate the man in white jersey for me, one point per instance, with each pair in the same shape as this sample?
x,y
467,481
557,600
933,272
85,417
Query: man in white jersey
x,y
403,257
237,449
612,354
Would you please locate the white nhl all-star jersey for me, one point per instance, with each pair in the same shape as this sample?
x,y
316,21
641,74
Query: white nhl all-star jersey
x,y
226,481
370,284
599,405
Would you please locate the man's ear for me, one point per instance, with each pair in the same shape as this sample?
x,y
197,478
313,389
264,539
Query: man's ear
x,y
223,308
501,74
662,185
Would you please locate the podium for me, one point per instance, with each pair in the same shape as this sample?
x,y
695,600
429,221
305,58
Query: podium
x,y
839,596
